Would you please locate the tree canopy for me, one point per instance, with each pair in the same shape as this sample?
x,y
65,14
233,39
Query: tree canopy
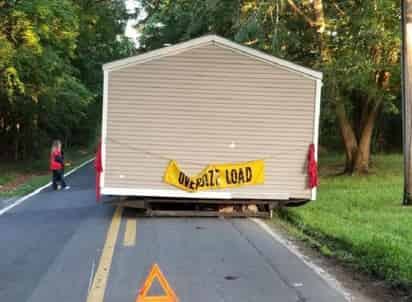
x,y
51,52
355,43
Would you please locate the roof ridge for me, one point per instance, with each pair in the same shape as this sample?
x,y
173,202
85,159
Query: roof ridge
x,y
211,38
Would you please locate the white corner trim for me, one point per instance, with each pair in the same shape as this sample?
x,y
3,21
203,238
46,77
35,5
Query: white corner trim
x,y
182,194
324,275
38,190
104,124
180,47
318,94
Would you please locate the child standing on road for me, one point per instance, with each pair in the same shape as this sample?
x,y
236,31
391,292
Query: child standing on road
x,y
57,165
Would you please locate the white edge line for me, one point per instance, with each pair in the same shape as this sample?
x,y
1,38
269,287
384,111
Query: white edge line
x,y
91,277
38,190
324,275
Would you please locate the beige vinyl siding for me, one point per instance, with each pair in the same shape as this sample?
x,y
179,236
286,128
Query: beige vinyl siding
x,y
194,106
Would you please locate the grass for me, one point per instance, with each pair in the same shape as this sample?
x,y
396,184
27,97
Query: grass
x,y
360,219
22,177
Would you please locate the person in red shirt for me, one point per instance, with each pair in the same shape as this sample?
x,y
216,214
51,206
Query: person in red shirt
x,y
57,166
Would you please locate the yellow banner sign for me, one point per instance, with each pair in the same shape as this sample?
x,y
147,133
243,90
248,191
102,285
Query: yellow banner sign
x,y
217,176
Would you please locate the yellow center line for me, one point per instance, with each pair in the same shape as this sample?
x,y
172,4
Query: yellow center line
x,y
96,293
130,232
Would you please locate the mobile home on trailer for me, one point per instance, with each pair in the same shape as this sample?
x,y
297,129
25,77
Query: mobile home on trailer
x,y
209,119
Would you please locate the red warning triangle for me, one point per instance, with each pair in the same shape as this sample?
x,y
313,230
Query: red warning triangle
x,y
169,296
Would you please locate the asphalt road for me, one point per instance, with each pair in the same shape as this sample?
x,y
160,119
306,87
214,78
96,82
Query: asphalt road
x,y
62,246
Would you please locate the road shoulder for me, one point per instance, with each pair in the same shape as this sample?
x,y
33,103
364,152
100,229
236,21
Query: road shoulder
x,y
357,286
8,204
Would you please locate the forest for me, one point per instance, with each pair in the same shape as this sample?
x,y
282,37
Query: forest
x,y
356,44
51,53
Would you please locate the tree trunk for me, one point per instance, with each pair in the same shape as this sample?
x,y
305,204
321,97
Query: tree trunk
x,y
16,148
349,138
16,141
363,154
319,16
320,24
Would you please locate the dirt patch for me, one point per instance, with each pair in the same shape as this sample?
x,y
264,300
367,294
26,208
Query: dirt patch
x,y
361,287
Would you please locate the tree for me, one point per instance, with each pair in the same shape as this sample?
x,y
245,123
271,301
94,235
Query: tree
x,y
355,43
101,39
51,52
366,56
170,22
38,39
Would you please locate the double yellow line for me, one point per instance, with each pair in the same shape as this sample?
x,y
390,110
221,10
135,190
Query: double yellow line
x,y
98,288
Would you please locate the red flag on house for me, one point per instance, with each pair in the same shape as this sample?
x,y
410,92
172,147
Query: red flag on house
x,y
312,167
99,169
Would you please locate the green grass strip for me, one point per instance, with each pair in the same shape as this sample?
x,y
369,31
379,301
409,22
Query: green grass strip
x,y
360,219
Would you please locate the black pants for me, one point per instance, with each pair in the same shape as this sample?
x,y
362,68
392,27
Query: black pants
x,y
58,176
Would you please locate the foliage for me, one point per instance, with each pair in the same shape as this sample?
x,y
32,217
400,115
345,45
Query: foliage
x,y
18,178
50,69
358,219
355,43
102,24
169,22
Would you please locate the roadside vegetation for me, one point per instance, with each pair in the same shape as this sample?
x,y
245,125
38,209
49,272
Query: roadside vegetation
x,y
356,44
360,219
22,177
51,56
